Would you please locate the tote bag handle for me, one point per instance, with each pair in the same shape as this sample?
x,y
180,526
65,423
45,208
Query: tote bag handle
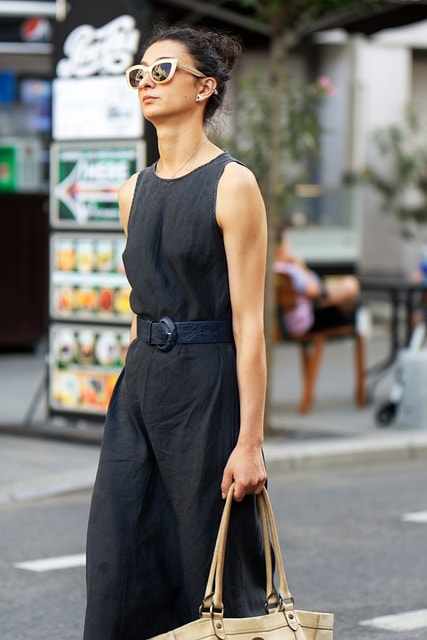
x,y
212,602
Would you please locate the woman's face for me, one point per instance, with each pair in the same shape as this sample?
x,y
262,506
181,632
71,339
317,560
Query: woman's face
x,y
175,98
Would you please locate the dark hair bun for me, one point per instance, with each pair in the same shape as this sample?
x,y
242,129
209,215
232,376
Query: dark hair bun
x,y
215,53
229,48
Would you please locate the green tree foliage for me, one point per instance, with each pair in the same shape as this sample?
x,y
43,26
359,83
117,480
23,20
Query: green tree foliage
x,y
289,21
302,16
401,176
253,132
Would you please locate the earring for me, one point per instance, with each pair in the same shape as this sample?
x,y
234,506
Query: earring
x,y
198,97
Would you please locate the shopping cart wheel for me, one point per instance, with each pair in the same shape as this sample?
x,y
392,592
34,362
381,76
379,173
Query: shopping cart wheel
x,y
386,414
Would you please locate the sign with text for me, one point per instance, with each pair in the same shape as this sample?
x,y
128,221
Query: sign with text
x,y
108,50
85,180
95,108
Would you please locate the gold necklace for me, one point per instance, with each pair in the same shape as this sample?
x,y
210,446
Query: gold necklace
x,y
193,155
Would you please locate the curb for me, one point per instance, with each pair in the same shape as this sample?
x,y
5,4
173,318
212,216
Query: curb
x,y
393,447
48,486
282,454
82,435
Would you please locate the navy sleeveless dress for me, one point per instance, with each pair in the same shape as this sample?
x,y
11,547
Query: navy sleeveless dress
x,y
172,423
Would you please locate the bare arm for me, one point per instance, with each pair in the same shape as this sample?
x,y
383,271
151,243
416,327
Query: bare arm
x,y
125,197
242,218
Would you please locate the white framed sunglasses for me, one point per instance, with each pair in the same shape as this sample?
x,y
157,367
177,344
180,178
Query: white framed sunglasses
x,y
160,72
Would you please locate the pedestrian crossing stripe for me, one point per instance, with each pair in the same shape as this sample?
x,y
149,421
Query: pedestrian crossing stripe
x,y
53,564
407,621
416,516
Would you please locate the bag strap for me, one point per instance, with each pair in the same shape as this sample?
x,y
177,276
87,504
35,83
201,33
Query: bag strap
x,y
286,601
212,604
213,592
272,599
284,593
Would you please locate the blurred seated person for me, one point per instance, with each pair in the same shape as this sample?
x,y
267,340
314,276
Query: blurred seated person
x,y
320,303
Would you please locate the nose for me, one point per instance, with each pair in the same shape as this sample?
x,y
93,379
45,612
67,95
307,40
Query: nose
x,y
145,80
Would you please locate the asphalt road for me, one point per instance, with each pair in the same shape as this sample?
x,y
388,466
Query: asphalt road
x,y
348,548
347,543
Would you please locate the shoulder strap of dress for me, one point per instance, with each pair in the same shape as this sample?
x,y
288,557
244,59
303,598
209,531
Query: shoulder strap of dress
x,y
227,158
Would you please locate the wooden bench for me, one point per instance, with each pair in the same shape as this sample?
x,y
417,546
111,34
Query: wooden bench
x,y
312,344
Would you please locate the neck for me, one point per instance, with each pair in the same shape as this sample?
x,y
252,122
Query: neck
x,y
178,150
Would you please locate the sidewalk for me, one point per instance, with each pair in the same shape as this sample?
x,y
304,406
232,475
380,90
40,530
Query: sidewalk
x,y
40,456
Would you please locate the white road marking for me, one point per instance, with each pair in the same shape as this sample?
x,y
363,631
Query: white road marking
x,y
399,621
52,564
415,516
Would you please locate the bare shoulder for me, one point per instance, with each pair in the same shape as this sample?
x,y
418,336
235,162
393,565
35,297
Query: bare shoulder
x,y
125,197
127,189
238,186
237,176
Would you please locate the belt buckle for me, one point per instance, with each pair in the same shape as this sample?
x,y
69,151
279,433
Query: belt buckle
x,y
172,334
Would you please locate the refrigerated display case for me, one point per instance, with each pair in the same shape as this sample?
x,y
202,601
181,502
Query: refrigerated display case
x,y
85,362
89,294
87,278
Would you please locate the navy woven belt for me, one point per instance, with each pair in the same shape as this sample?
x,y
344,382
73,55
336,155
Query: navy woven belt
x,y
166,333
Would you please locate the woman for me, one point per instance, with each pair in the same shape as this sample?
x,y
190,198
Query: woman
x,y
186,416
320,304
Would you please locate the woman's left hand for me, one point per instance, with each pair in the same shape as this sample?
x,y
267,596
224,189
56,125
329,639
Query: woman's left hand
x,y
246,467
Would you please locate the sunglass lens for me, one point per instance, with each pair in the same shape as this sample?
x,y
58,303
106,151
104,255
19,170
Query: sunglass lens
x,y
161,71
135,77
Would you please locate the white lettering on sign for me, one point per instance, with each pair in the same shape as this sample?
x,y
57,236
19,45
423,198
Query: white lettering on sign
x,y
108,171
108,50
